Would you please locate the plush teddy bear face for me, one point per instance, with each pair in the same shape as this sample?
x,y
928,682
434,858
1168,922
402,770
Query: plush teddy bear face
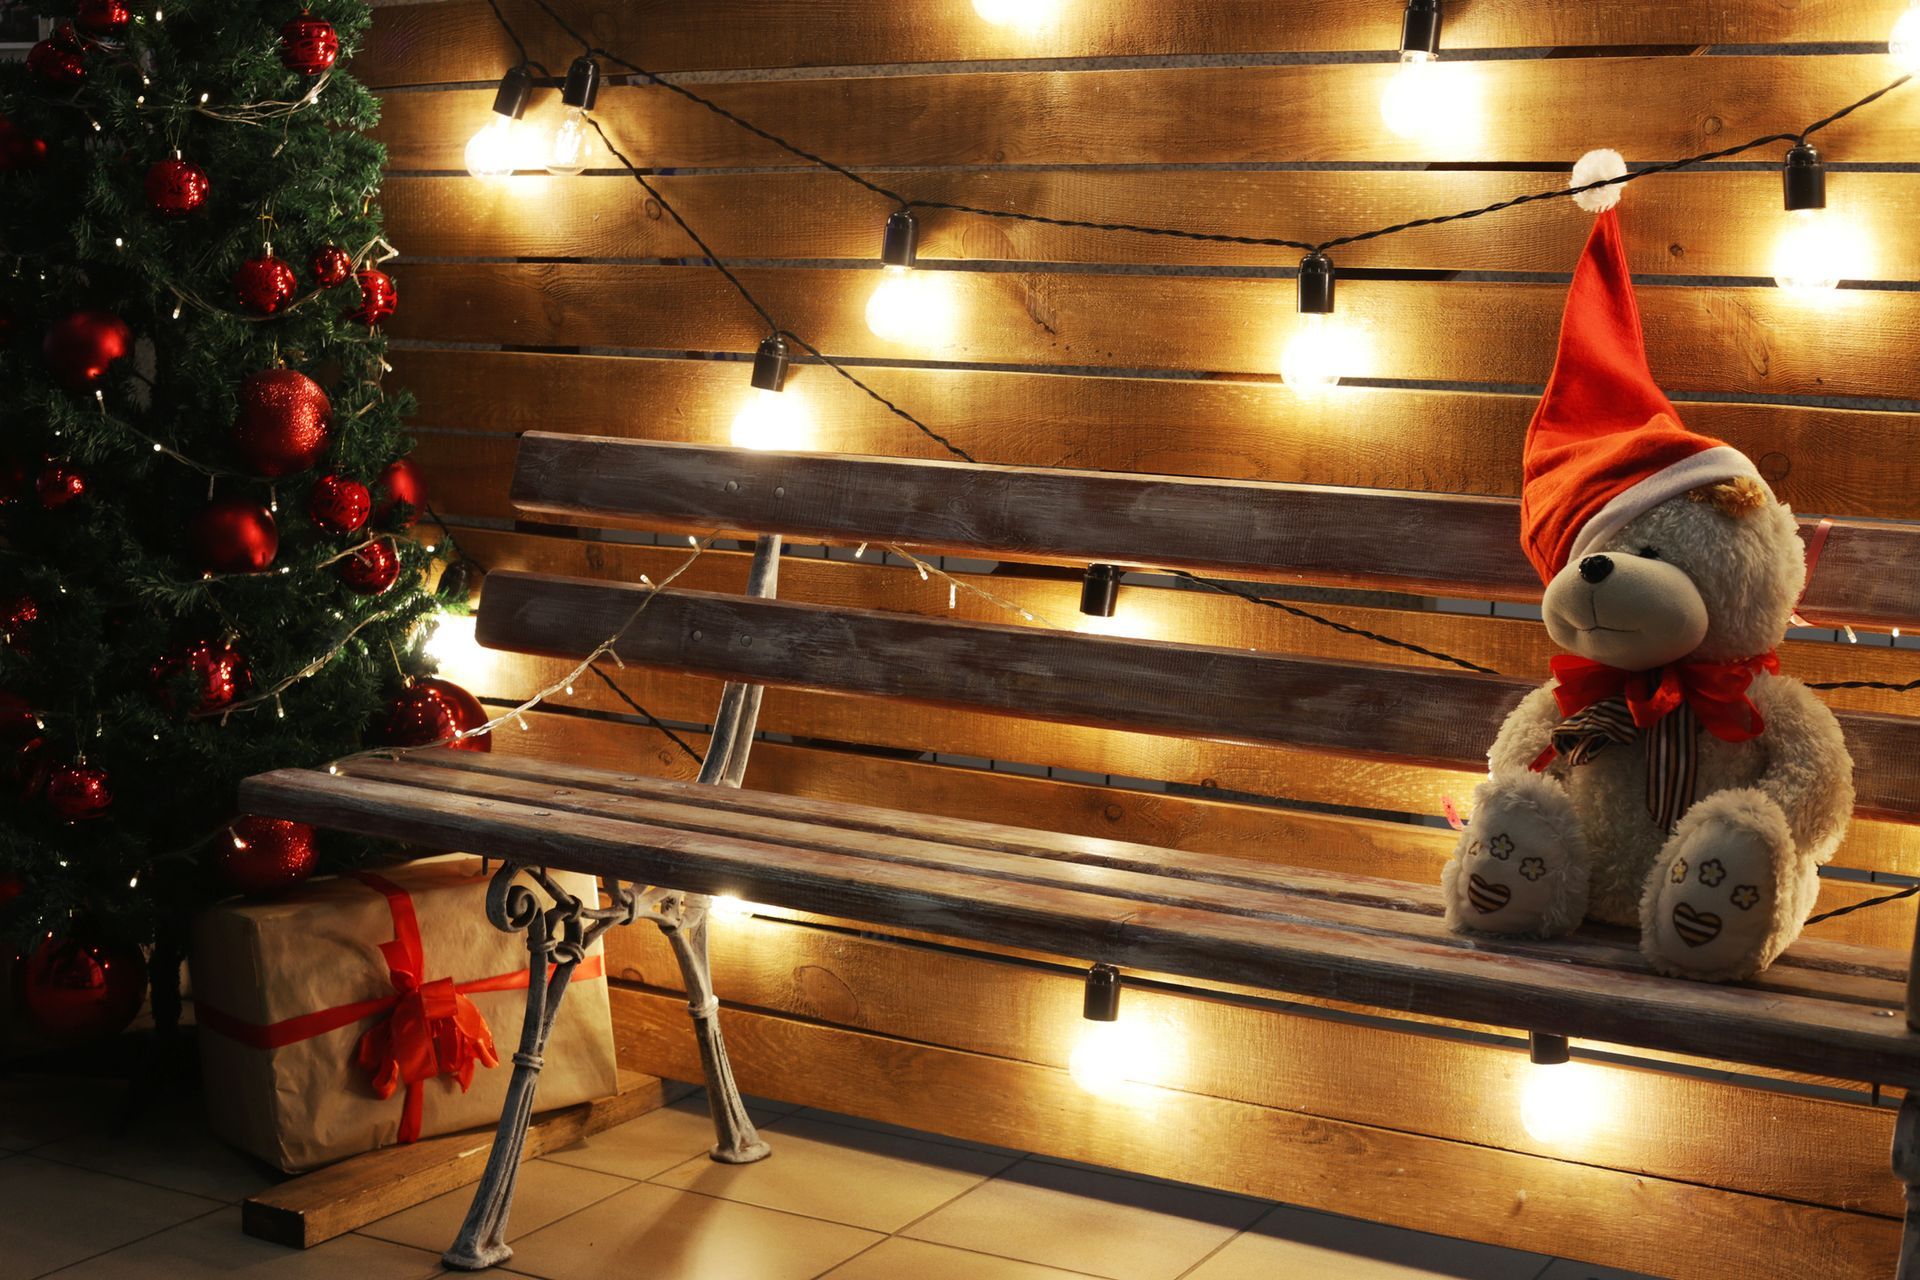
x,y
1711,575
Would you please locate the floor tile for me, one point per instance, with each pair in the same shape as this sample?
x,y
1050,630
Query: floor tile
x,y
1566,1270
665,1234
37,1109
214,1248
170,1147
862,1177
652,1143
881,1126
1290,1241
56,1214
898,1259
1082,1220
546,1193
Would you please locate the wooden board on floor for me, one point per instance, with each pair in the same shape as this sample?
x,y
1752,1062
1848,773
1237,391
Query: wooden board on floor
x,y
1668,1227
316,1207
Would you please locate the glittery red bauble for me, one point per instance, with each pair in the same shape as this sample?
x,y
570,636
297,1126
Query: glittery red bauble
x,y
19,618
378,297
176,187
82,988
103,18
79,791
330,266
401,494
308,45
60,483
283,425
265,284
338,505
234,535
266,854
18,148
52,63
83,346
370,570
429,711
213,675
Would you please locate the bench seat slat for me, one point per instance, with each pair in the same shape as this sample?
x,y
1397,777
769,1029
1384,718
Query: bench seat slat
x,y
1495,985
1445,719
1869,574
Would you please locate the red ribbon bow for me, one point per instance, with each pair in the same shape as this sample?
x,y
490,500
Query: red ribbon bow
x,y
1717,691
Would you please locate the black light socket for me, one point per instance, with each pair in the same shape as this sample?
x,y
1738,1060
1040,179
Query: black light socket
x,y
902,238
582,88
1804,179
1100,590
1316,285
1547,1050
1103,994
1420,31
770,364
515,88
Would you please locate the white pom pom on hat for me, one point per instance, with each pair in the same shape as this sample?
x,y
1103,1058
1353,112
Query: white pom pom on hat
x,y
1598,166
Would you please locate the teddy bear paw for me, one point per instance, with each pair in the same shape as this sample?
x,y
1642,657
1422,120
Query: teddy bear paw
x,y
1519,868
1713,905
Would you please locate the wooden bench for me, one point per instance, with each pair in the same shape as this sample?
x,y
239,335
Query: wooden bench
x,y
665,848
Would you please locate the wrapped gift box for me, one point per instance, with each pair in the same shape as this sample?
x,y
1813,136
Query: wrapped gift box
x,y
361,1010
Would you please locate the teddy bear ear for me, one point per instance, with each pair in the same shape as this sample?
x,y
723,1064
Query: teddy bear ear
x,y
1741,496
1598,166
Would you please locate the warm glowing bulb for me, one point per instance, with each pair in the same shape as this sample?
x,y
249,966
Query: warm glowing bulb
x,y
772,420
567,149
490,152
730,906
1114,1059
1564,1102
451,642
1026,14
1809,255
1318,354
911,307
1423,100
1905,45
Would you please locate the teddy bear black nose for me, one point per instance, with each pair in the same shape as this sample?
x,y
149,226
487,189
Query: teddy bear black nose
x,y
1596,568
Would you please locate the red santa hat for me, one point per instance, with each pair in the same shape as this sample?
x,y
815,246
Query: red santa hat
x,y
1606,446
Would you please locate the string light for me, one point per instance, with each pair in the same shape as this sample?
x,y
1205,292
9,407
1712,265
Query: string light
x,y
492,151
1807,259
1905,42
1100,590
908,306
567,148
1320,350
772,417
1027,15
1422,101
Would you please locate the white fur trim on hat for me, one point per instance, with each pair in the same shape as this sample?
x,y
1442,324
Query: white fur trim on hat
x,y
1709,466
1598,166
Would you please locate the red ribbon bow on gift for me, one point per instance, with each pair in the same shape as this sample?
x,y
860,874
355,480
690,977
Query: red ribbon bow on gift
x,y
1716,691
433,1030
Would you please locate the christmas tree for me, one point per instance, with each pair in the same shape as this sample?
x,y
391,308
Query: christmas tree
x,y
204,569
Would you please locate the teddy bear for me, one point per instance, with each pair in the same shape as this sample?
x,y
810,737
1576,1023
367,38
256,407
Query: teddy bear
x,y
1667,777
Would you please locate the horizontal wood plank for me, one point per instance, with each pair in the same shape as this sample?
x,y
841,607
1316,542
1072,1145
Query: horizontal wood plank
x,y
423,44
1842,462
1687,224
1424,1183
1729,341
1528,111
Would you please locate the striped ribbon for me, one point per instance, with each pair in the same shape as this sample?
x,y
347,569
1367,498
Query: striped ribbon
x,y
1673,751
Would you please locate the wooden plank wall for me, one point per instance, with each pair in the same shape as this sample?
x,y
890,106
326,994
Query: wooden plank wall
x,y
573,305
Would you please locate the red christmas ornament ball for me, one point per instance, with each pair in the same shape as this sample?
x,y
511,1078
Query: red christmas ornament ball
x,y
370,570
81,348
215,673
176,187
79,791
234,535
60,483
81,988
265,284
309,45
103,18
429,711
266,854
402,494
378,297
56,65
18,148
19,618
330,266
338,505
284,422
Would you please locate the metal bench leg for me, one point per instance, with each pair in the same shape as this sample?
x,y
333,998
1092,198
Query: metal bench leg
x,y
1906,1163
686,930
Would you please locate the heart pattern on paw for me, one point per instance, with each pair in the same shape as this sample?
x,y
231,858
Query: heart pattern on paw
x,y
1486,895
1695,927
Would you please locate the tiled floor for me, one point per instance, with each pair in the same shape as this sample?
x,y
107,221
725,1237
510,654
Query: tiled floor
x,y
841,1199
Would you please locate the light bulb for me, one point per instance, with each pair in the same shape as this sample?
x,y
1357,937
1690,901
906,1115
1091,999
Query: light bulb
x,y
451,643
567,149
1807,258
1316,356
1115,1059
1025,14
772,420
1905,44
900,309
1410,95
730,906
490,152
1562,1104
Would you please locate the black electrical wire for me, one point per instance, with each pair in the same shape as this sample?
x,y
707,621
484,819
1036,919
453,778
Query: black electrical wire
x,y
1862,906
645,714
